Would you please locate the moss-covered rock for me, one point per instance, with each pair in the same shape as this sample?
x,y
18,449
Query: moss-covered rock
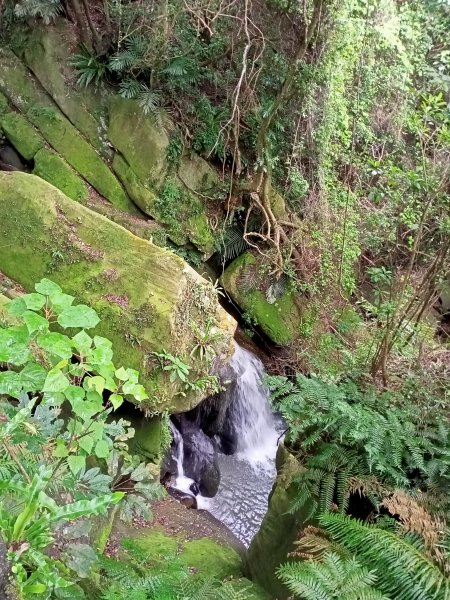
x,y
47,53
20,133
247,286
202,557
146,296
29,98
279,529
141,196
142,144
146,441
50,166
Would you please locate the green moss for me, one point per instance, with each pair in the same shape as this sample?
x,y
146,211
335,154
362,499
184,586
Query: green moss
x,y
4,104
211,558
50,166
280,320
142,144
279,529
47,54
139,289
141,196
157,544
146,441
25,94
21,134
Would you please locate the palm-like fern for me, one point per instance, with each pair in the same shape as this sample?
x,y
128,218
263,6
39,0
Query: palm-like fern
x,y
334,577
47,10
405,570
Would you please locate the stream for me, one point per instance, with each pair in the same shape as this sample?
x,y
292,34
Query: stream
x,y
246,475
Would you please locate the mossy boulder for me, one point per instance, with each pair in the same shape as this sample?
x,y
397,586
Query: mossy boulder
x,y
50,166
20,133
142,196
142,144
279,529
146,296
247,285
146,441
27,96
202,557
47,53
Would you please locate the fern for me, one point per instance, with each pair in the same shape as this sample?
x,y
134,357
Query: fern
x,y
343,433
131,57
333,577
47,10
406,572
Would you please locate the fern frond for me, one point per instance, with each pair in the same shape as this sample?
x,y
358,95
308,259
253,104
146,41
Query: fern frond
x,y
407,573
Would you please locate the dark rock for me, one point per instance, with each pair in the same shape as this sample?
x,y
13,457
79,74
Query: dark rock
x,y
185,499
200,457
10,158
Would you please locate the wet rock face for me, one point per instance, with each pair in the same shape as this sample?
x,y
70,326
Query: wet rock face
x,y
200,457
213,414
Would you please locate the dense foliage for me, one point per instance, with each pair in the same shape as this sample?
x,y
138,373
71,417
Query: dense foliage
x,y
63,457
343,108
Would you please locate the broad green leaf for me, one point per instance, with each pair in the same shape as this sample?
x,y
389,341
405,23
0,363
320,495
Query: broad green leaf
x,y
101,449
61,449
116,400
97,383
17,307
101,342
33,377
34,301
74,393
76,463
101,356
47,287
82,508
81,558
10,384
60,301
35,322
83,341
122,374
78,316
56,343
14,345
86,443
133,375
136,390
55,381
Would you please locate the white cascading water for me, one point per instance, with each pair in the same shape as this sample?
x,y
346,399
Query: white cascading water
x,y
247,476
182,482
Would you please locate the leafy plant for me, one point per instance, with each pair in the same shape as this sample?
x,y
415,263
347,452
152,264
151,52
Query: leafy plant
x,y
90,68
45,478
128,579
349,553
47,10
345,434
332,577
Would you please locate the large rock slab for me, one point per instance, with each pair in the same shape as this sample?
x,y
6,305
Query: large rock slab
x,y
147,297
248,285
28,97
173,198
47,53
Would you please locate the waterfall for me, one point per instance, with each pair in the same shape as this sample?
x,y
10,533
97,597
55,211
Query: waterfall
x,y
182,482
247,475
